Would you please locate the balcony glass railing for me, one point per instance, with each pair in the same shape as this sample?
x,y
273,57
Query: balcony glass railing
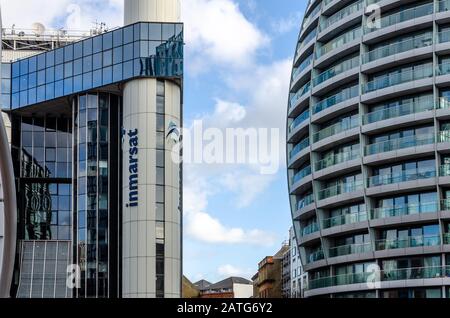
x,y
445,205
399,77
344,219
312,15
443,102
399,47
299,120
340,189
384,275
446,238
444,136
305,201
337,159
310,229
408,209
345,94
299,147
404,15
444,171
414,107
301,67
406,242
399,143
315,256
341,14
311,35
302,91
443,36
301,174
404,176
443,69
338,42
336,70
350,249
344,125
443,5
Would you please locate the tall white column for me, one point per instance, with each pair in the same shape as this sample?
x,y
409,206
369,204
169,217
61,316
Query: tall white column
x,y
139,222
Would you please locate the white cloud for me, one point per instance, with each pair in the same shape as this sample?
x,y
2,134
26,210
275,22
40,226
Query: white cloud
x,y
216,31
79,15
203,227
228,270
287,24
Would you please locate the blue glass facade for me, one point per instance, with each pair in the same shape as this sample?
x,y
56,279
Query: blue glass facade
x,y
138,50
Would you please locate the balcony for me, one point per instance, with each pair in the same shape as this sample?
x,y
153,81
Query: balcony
x,y
341,14
398,111
305,201
344,220
407,242
396,48
299,176
336,70
299,120
399,77
399,143
337,159
443,6
405,15
340,189
302,91
409,209
312,15
310,229
350,249
385,275
338,42
344,125
299,147
446,238
311,35
404,176
444,136
303,65
345,94
315,256
443,69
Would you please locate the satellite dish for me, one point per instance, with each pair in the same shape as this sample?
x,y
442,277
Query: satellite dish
x,y
38,28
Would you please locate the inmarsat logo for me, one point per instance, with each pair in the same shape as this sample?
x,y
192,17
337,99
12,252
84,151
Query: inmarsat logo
x,y
173,132
133,169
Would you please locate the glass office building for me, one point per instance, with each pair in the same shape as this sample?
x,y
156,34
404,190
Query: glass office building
x,y
368,148
96,187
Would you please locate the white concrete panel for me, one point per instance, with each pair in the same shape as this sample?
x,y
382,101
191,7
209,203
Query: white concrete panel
x,y
152,11
243,290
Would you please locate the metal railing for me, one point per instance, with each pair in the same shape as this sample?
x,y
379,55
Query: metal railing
x,y
337,159
398,47
299,120
299,147
350,249
384,275
301,174
340,189
399,77
404,176
406,242
336,70
412,107
344,125
345,94
344,219
408,209
399,143
405,15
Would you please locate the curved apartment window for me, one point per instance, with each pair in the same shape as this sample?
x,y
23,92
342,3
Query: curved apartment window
x,y
408,204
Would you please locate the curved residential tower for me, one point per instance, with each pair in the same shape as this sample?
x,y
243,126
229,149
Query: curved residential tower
x,y
369,148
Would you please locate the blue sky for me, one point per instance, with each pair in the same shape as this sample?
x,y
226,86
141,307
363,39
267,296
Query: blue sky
x,y
238,62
